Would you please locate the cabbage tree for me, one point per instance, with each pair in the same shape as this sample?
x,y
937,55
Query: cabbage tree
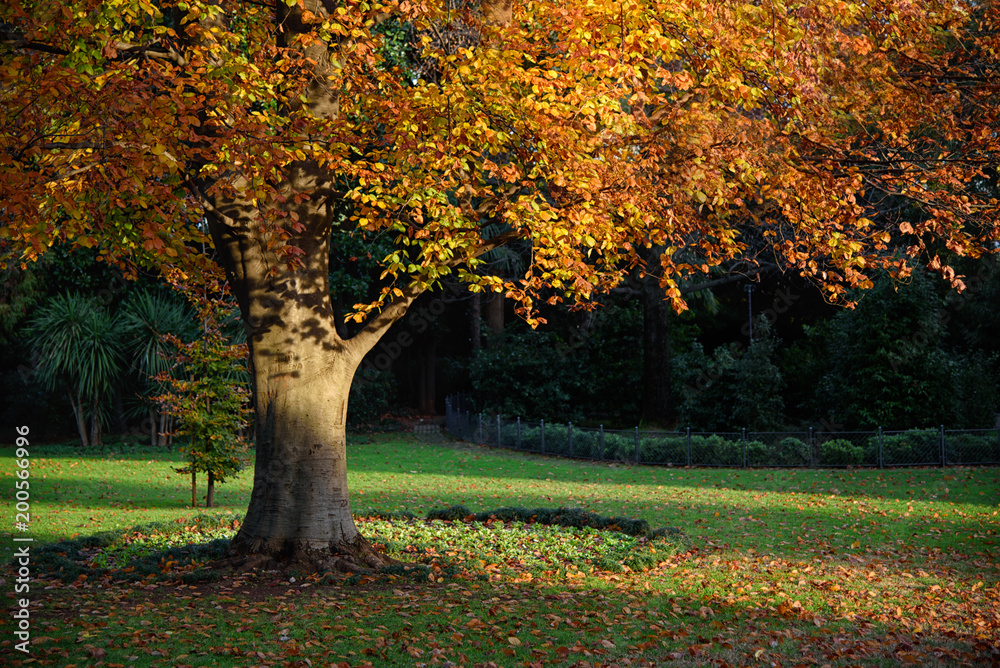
x,y
77,348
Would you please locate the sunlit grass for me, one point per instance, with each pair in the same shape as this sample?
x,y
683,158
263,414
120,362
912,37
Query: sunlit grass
x,y
844,567
952,510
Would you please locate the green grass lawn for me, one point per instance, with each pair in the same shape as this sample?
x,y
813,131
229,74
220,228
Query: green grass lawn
x,y
789,567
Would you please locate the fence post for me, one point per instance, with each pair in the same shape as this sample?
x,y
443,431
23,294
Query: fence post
x,y
602,442
543,437
499,439
570,430
636,445
943,456
812,447
467,425
881,459
447,414
687,445
518,432
743,439
480,428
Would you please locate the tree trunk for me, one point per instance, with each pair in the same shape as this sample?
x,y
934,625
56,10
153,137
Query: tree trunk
x,y
210,493
656,408
301,371
81,422
428,369
494,312
95,422
194,486
476,321
161,434
301,367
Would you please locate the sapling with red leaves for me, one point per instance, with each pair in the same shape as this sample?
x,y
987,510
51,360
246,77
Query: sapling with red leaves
x,y
207,395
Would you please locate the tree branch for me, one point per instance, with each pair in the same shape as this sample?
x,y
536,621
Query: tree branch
x,y
125,50
374,329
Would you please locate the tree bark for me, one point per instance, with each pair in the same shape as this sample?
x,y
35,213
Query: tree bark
x,y
301,371
95,422
494,312
161,435
194,486
210,491
81,422
476,321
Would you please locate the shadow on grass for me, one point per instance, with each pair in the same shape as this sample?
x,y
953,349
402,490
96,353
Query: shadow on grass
x,y
399,618
460,458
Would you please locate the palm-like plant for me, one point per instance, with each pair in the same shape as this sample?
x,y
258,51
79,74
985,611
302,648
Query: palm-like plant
x,y
146,319
78,350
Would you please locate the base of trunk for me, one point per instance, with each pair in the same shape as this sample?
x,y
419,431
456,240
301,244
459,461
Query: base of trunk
x,y
357,556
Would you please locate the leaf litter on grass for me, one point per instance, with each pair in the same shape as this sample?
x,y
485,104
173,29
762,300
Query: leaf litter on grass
x,y
783,567
531,595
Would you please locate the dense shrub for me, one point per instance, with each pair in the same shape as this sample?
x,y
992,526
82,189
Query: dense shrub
x,y
840,452
372,394
917,446
619,447
732,387
527,375
716,450
790,451
663,449
890,351
758,454
756,399
972,448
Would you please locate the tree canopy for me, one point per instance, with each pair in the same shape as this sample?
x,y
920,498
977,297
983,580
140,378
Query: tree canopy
x,y
586,129
830,138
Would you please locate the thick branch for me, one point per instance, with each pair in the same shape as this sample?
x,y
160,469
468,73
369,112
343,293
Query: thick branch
x,y
125,50
374,329
17,41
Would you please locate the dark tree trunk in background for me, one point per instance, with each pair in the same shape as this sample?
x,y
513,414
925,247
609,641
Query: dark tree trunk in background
x,y
494,312
210,493
476,321
656,408
428,368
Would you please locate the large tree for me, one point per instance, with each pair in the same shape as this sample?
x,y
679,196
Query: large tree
x,y
587,130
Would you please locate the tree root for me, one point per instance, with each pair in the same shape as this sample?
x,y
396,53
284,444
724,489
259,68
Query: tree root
x,y
357,556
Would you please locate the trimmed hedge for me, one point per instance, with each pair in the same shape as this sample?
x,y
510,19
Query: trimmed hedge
x,y
565,517
911,448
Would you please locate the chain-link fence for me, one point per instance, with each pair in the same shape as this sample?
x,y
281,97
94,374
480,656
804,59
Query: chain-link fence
x,y
803,449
